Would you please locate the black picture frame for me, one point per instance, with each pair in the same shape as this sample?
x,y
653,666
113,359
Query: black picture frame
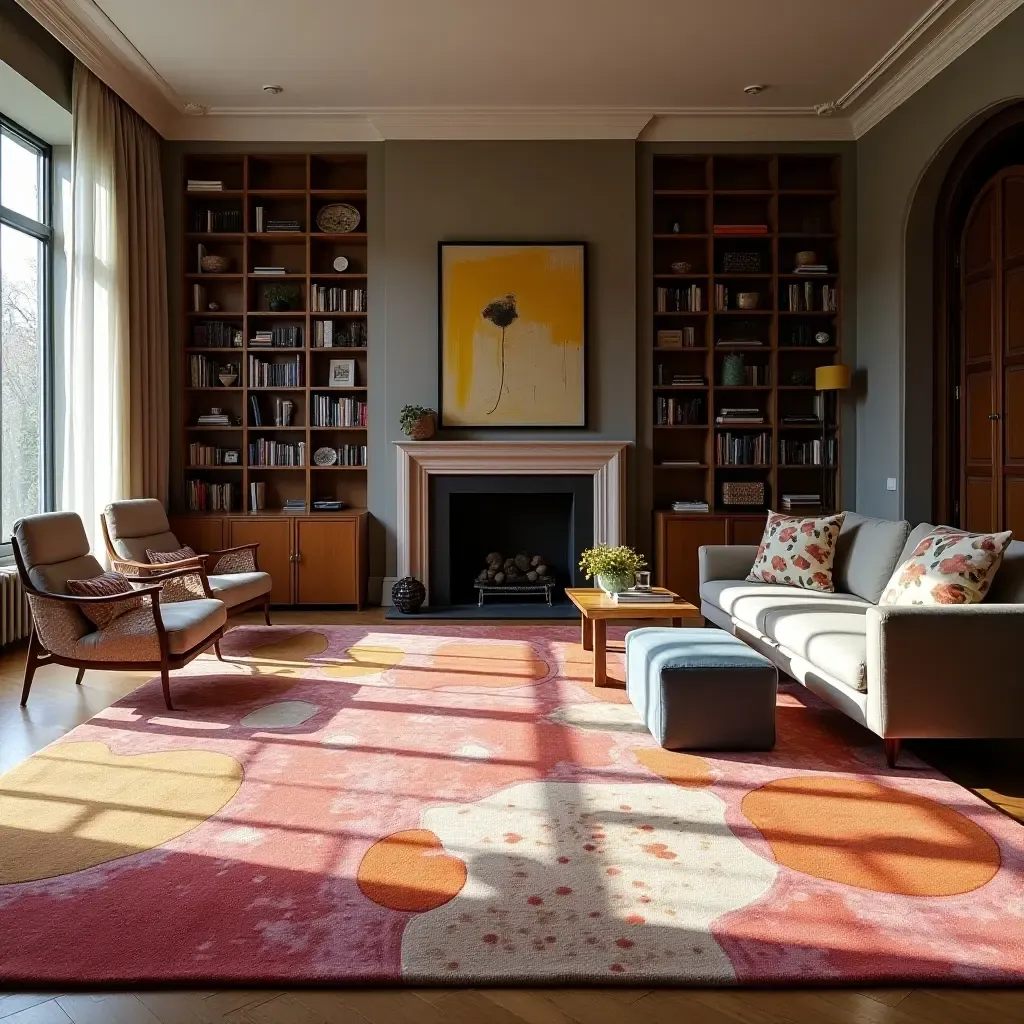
x,y
519,244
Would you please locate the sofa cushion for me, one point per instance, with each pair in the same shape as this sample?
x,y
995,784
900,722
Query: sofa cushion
x,y
867,552
751,603
133,637
798,551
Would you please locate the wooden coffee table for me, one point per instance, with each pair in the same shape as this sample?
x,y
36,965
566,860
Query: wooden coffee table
x,y
596,608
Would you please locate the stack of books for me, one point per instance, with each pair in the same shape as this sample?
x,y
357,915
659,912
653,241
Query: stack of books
x,y
680,462
739,342
214,419
283,225
294,505
737,416
269,271
633,596
801,501
689,506
325,505
262,339
812,269
200,185
686,380
799,420
741,229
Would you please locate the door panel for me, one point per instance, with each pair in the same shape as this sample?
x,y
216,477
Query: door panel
x,y
274,537
979,319
977,424
747,531
328,566
978,514
682,538
1013,417
200,534
979,236
1013,216
1013,302
1013,515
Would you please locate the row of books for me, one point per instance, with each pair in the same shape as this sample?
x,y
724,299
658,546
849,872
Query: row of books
x,y
332,299
265,224
743,449
791,502
216,334
679,300
806,297
351,455
332,334
203,372
275,375
210,455
281,336
739,416
338,412
203,496
216,221
807,453
670,412
265,452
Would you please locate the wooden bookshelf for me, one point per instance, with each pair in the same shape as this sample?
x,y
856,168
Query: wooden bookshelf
x,y
287,188
798,200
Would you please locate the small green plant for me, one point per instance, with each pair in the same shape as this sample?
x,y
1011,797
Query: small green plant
x,y
602,560
411,415
280,295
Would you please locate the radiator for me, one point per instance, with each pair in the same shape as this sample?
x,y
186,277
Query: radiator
x,y
15,619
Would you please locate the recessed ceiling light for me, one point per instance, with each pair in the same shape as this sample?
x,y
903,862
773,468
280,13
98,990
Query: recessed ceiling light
x,y
273,89
753,90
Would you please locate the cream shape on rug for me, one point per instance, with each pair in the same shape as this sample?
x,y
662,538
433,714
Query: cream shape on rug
x,y
597,879
283,714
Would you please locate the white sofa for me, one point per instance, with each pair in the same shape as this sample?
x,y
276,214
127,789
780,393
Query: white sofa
x,y
903,672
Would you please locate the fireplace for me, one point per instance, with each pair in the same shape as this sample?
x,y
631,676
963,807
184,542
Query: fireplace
x,y
474,516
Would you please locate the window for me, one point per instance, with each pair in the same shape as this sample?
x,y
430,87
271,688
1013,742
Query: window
x,y
25,326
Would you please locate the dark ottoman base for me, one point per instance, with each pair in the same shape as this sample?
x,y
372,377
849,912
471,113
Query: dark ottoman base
x,y
701,689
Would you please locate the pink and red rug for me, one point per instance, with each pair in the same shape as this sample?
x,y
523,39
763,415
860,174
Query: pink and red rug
x,y
458,805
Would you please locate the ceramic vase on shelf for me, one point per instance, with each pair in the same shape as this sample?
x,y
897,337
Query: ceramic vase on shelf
x,y
615,583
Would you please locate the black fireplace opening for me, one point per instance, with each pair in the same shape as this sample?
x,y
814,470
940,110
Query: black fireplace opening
x,y
473,517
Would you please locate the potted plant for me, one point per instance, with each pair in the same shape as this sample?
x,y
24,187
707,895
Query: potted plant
x,y
614,568
417,422
280,297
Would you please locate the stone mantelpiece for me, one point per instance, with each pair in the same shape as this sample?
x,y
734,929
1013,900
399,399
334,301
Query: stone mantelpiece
x,y
604,461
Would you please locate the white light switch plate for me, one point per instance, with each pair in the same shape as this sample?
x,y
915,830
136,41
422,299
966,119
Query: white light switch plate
x,y
890,483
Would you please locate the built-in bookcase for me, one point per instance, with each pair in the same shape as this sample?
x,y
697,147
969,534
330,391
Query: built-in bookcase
x,y
701,206
266,216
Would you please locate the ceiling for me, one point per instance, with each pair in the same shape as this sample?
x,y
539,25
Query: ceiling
x,y
417,68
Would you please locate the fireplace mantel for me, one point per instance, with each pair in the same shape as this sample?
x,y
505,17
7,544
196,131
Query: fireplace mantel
x,y
605,461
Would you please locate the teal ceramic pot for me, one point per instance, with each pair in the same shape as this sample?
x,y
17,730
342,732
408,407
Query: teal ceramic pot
x,y
615,583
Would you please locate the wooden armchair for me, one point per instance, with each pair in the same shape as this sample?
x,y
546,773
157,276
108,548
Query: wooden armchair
x,y
51,549
134,527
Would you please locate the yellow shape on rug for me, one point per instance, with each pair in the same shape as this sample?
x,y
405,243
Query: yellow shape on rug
x,y
75,805
364,661
285,657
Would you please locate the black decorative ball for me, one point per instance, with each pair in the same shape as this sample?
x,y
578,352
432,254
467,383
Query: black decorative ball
x,y
408,595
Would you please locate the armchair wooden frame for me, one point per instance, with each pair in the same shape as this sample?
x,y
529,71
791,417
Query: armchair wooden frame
x,y
38,655
146,568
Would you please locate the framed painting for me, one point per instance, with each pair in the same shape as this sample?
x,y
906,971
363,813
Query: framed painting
x,y
512,334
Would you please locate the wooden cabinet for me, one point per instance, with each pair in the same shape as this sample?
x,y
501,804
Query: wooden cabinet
x,y
274,537
678,536
311,559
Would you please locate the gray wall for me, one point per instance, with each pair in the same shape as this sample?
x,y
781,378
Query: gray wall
x,y
28,48
900,167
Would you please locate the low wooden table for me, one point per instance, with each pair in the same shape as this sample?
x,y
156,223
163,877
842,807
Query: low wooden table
x,y
596,608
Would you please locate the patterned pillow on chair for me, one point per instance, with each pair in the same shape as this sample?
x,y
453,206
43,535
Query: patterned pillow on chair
x,y
949,566
107,584
161,557
798,552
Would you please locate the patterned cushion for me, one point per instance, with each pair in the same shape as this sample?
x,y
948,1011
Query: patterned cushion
x,y
105,585
948,566
160,557
798,552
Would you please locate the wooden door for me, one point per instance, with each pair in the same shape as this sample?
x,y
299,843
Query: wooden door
x,y
200,533
274,537
677,551
992,358
747,531
328,561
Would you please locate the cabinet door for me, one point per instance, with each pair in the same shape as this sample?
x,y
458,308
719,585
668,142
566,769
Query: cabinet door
x,y
328,561
274,537
746,531
199,533
681,540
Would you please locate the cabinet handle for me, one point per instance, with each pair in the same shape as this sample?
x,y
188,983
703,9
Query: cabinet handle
x,y
993,415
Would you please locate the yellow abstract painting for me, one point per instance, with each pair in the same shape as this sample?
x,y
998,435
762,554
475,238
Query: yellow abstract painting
x,y
513,326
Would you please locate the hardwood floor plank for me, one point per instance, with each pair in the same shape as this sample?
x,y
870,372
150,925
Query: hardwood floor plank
x,y
41,1013
378,1007
530,1005
287,1009
200,1007
120,1008
11,1004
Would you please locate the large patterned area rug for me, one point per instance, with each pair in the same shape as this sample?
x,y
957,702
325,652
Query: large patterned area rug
x,y
459,805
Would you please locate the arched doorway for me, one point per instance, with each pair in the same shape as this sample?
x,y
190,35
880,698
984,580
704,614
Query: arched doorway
x,y
979,319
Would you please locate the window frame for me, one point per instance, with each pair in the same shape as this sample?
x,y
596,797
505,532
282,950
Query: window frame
x,y
43,232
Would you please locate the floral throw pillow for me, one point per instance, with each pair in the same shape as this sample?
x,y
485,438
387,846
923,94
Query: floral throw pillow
x,y
949,566
798,552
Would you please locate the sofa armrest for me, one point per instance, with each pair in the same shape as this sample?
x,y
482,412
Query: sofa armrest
x,y
726,561
945,671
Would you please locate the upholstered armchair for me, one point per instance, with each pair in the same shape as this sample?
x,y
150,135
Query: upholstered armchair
x,y
133,528
50,550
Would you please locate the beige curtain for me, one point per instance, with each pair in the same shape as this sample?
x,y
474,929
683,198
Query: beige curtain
x,y
117,421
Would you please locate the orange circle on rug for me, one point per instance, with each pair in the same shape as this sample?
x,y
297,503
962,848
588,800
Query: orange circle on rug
x,y
363,661
873,837
681,769
410,871
462,664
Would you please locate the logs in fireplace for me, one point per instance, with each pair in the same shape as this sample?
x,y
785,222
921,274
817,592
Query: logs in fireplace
x,y
522,575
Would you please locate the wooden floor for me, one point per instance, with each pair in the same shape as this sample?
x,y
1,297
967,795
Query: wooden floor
x,y
57,705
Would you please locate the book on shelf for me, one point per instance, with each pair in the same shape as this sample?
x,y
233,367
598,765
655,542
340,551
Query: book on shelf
x,y
330,334
690,506
257,496
740,229
740,343
294,505
324,505
338,412
679,462
201,185
216,334
281,336
214,420
807,453
742,449
290,226
204,496
268,271
266,452
810,502
216,221
740,416
254,407
811,269
800,420
679,300
806,297
333,299
198,297
275,375
669,412
204,372
633,596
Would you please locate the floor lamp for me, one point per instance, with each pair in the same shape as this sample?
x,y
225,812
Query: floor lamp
x,y
831,378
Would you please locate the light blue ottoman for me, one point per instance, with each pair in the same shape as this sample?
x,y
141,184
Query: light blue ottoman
x,y
701,689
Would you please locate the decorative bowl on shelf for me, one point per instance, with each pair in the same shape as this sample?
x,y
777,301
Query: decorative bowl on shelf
x,y
325,456
338,219
748,300
681,267
228,380
211,264
806,258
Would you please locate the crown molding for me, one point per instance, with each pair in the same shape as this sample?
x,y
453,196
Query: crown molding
x,y
964,26
83,28
742,124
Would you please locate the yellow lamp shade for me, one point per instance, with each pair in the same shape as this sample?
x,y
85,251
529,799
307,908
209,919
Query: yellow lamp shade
x,y
835,377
